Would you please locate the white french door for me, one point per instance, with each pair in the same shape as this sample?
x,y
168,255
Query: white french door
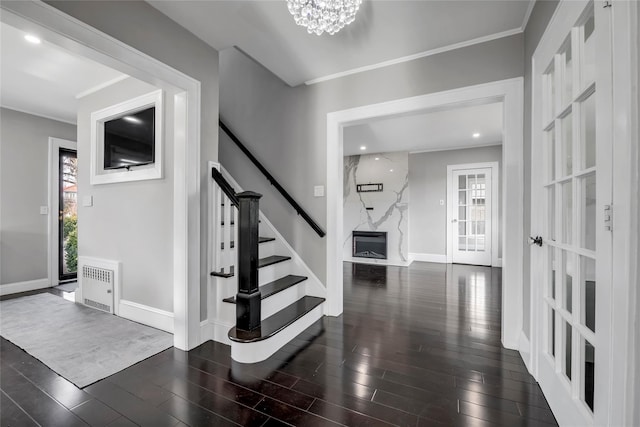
x,y
571,190
470,214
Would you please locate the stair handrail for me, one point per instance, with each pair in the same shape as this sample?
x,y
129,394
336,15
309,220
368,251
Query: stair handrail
x,y
273,181
224,185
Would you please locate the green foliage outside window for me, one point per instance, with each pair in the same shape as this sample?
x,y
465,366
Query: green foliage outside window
x,y
70,239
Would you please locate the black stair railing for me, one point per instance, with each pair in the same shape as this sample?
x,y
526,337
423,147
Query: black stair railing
x,y
248,305
273,181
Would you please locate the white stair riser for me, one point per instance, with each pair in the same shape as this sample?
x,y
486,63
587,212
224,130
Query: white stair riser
x,y
227,313
261,350
277,302
274,272
264,250
229,286
226,287
270,305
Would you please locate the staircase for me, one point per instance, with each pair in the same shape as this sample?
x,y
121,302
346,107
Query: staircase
x,y
286,297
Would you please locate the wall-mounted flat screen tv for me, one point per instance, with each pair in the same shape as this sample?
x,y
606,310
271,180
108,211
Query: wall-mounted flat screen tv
x,y
129,140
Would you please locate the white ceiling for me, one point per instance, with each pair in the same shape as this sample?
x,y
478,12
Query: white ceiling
x,y
44,79
431,131
382,31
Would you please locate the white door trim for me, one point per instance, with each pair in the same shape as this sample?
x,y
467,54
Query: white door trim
x,y
510,92
625,346
495,213
55,144
80,38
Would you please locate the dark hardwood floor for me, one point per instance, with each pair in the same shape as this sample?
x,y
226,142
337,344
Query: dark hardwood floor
x,y
417,346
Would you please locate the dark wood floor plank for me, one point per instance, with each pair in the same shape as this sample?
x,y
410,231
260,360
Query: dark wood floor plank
x,y
215,403
497,417
292,415
192,414
132,407
151,393
12,415
41,407
96,413
343,415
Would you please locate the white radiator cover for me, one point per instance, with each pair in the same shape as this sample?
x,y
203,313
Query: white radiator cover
x,y
98,283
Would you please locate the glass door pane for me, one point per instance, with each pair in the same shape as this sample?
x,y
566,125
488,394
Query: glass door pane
x,y
68,215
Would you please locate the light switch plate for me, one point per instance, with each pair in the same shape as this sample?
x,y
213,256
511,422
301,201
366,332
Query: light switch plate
x,y
87,201
44,210
318,191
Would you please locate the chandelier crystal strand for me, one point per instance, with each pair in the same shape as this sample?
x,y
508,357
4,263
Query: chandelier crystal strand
x,y
323,15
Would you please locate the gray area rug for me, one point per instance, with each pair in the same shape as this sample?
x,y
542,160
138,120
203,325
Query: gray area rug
x,y
79,343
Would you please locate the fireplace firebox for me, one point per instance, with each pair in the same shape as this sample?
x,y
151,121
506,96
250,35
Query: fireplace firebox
x,y
370,244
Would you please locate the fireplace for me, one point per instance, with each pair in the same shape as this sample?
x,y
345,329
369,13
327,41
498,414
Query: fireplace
x,y
370,244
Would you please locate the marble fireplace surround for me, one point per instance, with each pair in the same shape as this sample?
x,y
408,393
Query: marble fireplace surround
x,y
386,210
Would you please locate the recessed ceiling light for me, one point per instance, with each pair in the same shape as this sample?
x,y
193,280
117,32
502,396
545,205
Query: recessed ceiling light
x,y
132,119
32,39
476,135
390,170
362,147
377,158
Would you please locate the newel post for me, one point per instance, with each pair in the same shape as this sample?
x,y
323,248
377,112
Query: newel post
x,y
248,298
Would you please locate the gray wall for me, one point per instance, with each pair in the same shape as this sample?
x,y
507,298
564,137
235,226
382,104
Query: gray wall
x,y
538,21
130,222
285,127
143,27
428,185
24,166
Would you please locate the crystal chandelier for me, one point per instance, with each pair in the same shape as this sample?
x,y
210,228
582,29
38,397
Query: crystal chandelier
x,y
323,15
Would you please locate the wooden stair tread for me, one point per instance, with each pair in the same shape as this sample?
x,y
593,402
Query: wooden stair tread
x,y
273,259
262,262
274,287
232,244
230,273
276,323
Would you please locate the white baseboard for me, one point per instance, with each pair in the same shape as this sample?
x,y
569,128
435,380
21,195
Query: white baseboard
x,y
221,332
206,331
146,315
524,347
442,259
374,261
30,285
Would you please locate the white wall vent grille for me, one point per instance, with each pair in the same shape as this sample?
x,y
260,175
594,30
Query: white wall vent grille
x,y
97,288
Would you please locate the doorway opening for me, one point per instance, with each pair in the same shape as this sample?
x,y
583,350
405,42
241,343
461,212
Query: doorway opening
x,y
510,94
63,202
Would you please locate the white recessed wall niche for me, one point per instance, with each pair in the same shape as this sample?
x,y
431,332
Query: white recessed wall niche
x,y
101,173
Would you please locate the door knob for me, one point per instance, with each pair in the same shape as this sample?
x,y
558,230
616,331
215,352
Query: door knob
x,y
454,220
536,240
